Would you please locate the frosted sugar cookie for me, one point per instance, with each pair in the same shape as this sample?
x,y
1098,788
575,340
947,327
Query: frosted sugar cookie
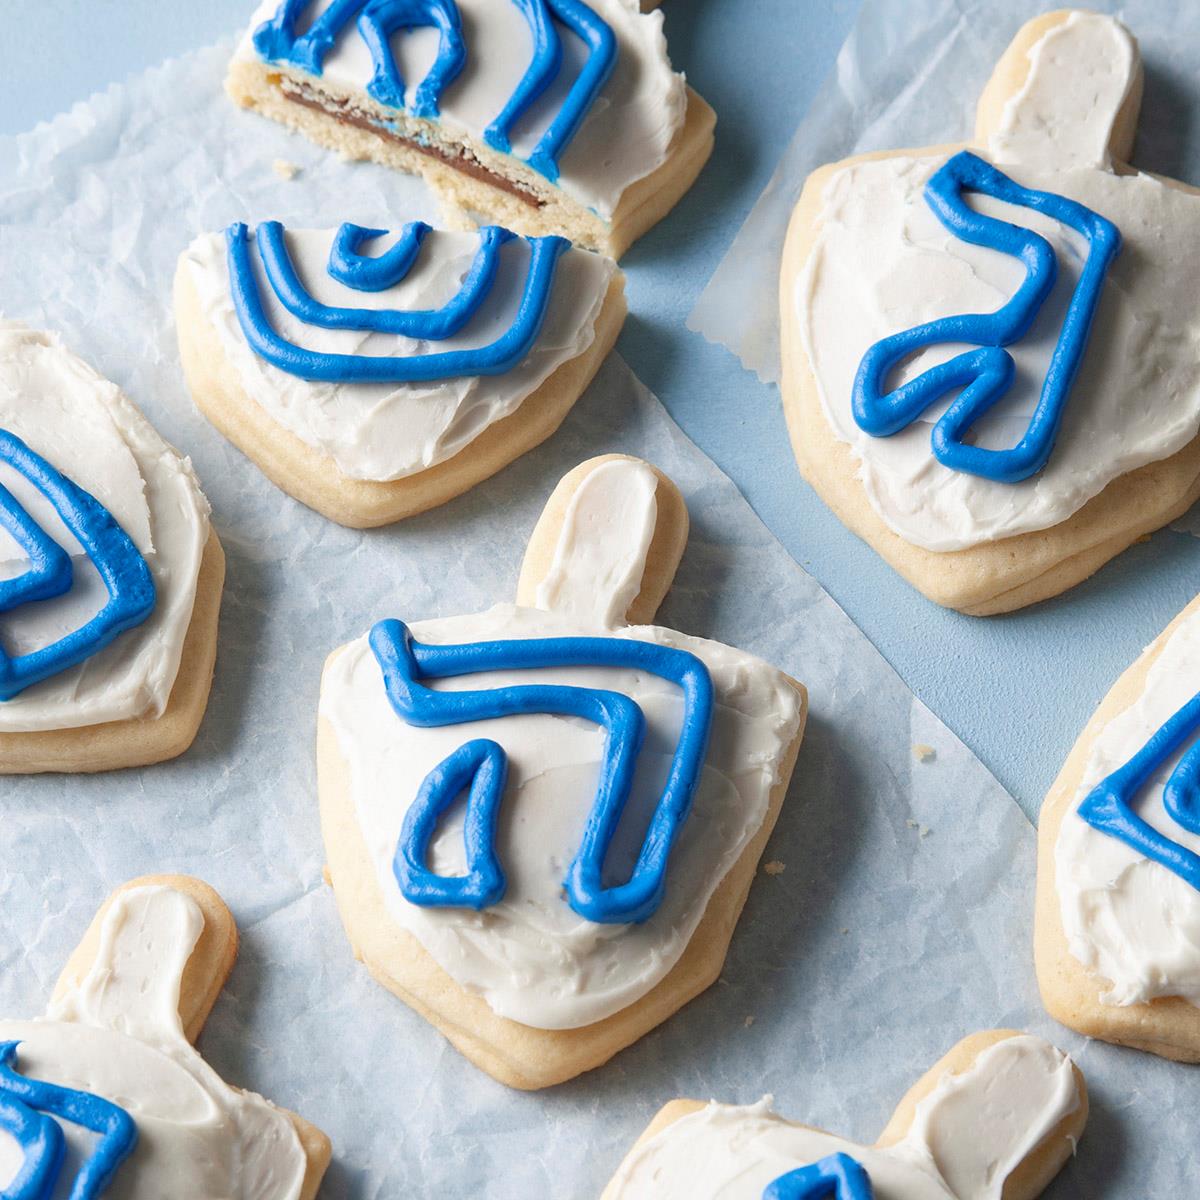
x,y
1118,908
621,782
989,352
110,574
106,1094
998,1116
550,116
374,375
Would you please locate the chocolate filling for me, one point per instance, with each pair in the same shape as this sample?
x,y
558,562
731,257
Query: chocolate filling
x,y
461,159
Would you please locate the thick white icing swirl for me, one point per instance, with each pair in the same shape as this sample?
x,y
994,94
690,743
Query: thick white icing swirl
x,y
118,1035
84,427
966,1138
388,431
625,136
1132,921
881,254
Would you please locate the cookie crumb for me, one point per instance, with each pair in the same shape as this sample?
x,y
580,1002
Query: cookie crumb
x,y
924,753
285,169
845,930
925,831
910,823
774,867
748,1022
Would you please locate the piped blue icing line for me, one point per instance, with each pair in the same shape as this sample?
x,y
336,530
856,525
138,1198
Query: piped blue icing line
x,y
601,42
495,358
131,591
367,273
27,1109
1108,807
835,1177
276,40
985,374
405,663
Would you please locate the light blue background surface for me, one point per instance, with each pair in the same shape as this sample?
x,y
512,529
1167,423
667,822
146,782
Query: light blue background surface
x,y
1017,689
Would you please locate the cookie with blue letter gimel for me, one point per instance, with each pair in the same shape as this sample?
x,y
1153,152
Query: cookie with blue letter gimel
x,y
549,116
542,821
997,1117
106,1095
110,572
1117,936
988,370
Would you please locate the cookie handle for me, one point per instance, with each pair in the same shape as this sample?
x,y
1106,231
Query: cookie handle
x,y
607,545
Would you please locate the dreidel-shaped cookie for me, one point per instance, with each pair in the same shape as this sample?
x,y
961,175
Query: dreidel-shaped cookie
x,y
988,350
106,1094
542,820
995,1119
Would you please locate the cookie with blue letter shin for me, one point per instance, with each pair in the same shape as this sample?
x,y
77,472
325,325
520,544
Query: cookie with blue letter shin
x,y
995,1119
549,116
106,1094
1118,907
110,572
542,821
987,363
375,374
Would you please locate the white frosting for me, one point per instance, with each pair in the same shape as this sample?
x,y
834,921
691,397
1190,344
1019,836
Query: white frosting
x,y
596,573
83,425
118,1035
382,431
882,255
966,1138
1131,920
627,133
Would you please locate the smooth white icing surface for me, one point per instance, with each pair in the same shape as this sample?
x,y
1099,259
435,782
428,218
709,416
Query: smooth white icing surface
x,y
382,431
600,558
966,1138
625,136
881,255
531,957
91,433
1131,920
118,1035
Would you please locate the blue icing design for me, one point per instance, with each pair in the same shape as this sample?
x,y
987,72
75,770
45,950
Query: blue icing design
x,y
497,357
835,1177
480,764
27,1111
1108,807
365,273
131,592
277,40
985,374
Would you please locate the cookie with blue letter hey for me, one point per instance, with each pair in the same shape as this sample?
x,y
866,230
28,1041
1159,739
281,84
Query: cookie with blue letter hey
x,y
985,363
542,821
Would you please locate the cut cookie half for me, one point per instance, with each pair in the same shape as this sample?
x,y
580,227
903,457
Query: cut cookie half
x,y
110,573
553,116
374,375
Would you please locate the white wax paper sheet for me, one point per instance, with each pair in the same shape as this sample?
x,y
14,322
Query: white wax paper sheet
x,y
909,75
900,920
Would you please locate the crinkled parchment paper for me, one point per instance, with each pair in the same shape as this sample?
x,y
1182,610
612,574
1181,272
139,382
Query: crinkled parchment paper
x,y
899,922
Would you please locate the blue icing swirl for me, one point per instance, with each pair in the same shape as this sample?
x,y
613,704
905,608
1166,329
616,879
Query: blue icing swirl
x,y
835,1177
480,765
277,40
495,358
986,374
131,591
1108,807
27,1111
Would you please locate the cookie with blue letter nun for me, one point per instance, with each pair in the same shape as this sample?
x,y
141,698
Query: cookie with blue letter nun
x,y
107,1095
995,1119
1117,936
110,572
989,366
549,116
542,821
375,374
